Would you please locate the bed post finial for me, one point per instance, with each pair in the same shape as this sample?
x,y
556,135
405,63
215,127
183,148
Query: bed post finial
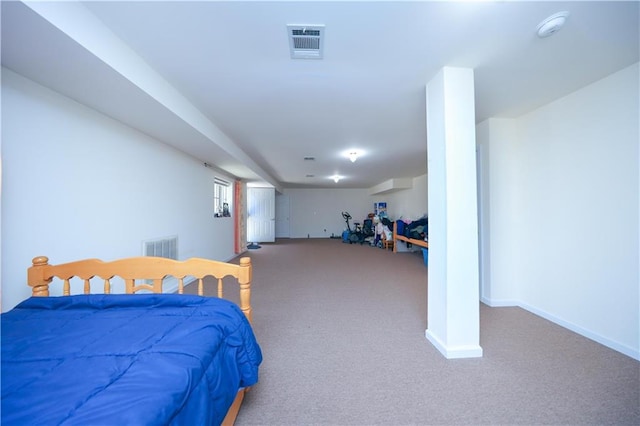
x,y
244,279
36,277
40,260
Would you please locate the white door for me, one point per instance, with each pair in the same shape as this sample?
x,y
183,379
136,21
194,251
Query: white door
x,y
282,216
261,215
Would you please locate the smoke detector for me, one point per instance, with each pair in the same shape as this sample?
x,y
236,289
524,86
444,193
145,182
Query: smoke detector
x,y
306,41
552,24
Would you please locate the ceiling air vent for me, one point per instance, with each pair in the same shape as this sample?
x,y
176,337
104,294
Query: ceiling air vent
x,y
306,41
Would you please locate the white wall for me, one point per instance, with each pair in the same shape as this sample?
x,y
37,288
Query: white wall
x,y
78,184
408,203
499,218
567,188
314,210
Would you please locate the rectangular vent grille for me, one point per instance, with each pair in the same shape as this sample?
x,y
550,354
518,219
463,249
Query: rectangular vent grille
x,y
306,41
310,43
306,32
165,247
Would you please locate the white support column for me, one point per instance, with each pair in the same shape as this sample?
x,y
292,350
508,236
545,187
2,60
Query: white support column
x,y
453,290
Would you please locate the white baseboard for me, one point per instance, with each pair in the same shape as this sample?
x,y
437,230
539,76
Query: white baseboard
x,y
626,350
454,352
499,303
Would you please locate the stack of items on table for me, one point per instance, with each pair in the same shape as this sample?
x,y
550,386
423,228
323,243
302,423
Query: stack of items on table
x,y
416,229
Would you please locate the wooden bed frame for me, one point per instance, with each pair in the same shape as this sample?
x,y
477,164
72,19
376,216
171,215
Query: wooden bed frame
x,y
397,237
147,273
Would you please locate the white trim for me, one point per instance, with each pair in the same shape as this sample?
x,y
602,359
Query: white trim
x,y
454,352
631,352
499,303
220,181
611,344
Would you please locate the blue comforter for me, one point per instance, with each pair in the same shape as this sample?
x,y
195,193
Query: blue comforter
x,y
124,360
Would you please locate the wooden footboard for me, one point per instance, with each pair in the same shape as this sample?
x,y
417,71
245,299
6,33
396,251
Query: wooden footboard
x,y
147,273
397,237
141,273
230,418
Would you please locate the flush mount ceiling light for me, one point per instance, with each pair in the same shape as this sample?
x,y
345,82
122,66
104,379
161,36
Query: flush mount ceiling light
x,y
336,178
353,154
552,24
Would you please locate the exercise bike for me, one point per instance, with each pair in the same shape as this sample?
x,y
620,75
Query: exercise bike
x,y
352,236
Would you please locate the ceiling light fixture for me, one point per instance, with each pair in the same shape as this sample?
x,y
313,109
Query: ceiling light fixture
x,y
336,178
552,24
353,156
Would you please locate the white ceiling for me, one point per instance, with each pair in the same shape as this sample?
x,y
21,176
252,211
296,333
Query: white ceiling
x,y
215,78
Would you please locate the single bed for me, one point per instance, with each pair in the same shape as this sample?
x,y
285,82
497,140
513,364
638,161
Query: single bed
x,y
135,358
398,237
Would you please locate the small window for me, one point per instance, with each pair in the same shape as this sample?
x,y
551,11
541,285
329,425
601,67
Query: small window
x,y
221,198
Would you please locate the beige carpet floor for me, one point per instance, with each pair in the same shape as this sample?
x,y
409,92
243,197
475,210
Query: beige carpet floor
x,y
342,332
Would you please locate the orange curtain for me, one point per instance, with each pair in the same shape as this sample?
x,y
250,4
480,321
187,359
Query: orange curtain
x,y
239,216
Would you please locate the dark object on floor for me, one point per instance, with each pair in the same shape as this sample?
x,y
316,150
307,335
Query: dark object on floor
x,y
253,246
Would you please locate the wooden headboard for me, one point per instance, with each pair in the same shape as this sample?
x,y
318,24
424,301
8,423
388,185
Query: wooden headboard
x,y
134,269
